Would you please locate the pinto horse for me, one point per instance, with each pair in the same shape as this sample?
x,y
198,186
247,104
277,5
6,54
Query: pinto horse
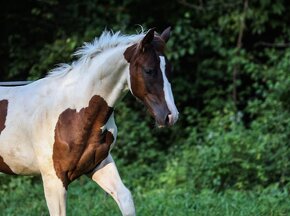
x,y
62,126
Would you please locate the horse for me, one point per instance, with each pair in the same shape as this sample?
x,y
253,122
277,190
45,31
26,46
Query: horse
x,y
62,126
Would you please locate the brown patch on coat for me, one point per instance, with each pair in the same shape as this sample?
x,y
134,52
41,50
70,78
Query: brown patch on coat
x,y
80,145
4,167
3,114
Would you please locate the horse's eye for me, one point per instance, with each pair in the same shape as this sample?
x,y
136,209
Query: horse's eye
x,y
149,71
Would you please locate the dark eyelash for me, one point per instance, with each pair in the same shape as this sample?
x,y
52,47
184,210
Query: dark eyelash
x,y
149,71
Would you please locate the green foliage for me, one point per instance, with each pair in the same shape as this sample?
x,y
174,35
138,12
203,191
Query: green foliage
x,y
227,155
22,197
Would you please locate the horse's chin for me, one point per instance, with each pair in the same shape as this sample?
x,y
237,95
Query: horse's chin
x,y
160,126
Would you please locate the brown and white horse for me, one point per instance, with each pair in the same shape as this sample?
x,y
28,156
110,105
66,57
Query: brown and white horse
x,y
62,126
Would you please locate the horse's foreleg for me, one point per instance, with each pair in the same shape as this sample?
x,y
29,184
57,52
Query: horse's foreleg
x,y
107,176
55,195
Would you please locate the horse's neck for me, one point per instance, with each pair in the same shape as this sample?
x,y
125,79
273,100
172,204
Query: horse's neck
x,y
105,75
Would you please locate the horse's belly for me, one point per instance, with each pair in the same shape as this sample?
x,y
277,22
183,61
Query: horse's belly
x,y
16,151
18,156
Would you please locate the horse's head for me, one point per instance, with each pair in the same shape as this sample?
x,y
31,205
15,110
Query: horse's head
x,y
148,76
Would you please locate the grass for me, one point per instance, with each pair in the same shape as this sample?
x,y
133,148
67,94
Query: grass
x,y
24,196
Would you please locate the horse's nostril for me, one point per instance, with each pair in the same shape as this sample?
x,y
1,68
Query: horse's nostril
x,y
168,119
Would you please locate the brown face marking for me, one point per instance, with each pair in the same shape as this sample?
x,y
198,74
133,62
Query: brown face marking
x,y
146,76
3,114
80,145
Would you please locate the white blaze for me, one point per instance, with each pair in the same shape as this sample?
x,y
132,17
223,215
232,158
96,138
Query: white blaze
x,y
168,92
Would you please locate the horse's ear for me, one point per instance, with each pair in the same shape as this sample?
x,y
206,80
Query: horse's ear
x,y
166,34
129,52
148,38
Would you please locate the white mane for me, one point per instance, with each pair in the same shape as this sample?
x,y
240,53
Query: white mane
x,y
107,40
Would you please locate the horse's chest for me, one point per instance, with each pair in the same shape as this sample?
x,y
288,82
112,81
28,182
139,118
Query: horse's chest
x,y
81,140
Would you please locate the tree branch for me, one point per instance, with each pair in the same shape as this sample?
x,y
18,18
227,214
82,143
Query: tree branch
x,y
239,46
276,45
208,6
193,6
